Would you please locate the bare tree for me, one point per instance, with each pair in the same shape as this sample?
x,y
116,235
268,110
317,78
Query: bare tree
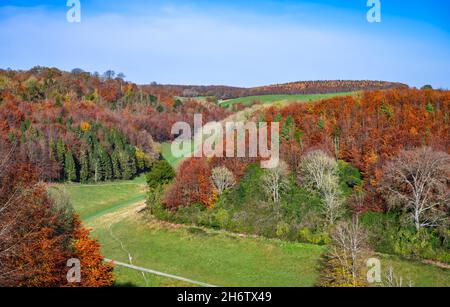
x,y
5,204
109,74
14,232
393,281
223,179
8,216
319,173
349,242
274,181
417,181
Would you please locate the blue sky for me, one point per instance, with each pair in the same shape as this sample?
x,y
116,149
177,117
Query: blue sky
x,y
231,42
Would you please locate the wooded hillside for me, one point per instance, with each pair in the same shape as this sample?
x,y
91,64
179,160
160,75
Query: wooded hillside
x,y
84,127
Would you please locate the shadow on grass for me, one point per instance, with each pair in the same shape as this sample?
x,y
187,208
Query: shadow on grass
x,y
125,285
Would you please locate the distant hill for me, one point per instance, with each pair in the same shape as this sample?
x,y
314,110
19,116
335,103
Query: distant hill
x,y
301,87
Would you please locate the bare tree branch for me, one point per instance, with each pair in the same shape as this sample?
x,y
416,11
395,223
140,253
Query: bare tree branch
x,y
417,181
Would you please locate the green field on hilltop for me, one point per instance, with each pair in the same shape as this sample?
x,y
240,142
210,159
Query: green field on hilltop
x,y
265,99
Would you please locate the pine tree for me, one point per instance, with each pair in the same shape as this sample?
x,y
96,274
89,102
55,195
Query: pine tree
x,y
178,103
106,166
25,125
132,160
287,128
60,150
95,166
61,155
70,169
127,172
101,164
52,148
115,161
58,102
278,118
84,166
161,173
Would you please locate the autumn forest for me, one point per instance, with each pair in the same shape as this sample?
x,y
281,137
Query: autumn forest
x,y
362,173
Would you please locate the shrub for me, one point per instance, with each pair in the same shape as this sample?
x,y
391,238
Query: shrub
x,y
222,217
334,275
160,174
283,229
307,236
410,243
387,235
348,174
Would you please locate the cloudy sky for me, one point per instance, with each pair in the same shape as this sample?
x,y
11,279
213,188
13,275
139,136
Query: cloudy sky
x,y
231,42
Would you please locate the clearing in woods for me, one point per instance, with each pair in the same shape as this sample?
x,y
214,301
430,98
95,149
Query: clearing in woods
x,y
243,115
114,212
267,99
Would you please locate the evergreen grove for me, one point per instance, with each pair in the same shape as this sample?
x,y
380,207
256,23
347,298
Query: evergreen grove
x,y
94,161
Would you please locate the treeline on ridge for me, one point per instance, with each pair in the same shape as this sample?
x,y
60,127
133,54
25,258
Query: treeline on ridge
x,y
301,87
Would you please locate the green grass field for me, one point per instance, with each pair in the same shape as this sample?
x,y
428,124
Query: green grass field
x,y
207,256
266,99
420,274
166,153
113,212
91,200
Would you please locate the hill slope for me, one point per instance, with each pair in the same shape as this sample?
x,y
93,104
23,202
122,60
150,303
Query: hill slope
x,y
300,87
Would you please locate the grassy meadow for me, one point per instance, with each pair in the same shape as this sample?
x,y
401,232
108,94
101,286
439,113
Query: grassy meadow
x,y
212,257
91,200
114,213
267,99
166,153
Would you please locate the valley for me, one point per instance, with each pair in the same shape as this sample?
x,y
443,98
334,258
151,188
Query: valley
x,y
115,211
215,257
209,147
